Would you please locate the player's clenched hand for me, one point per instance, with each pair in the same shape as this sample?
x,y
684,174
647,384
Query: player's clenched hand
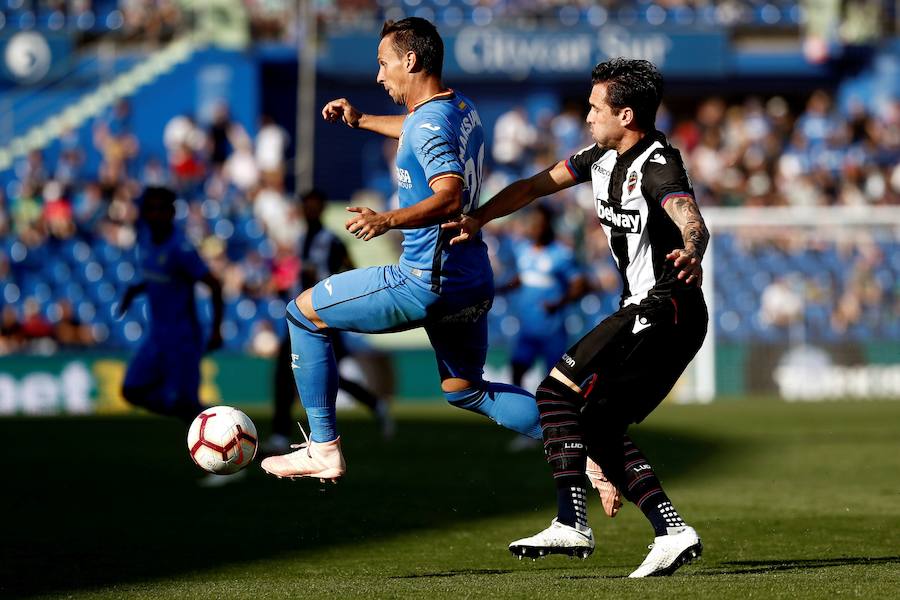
x,y
367,223
341,109
468,228
689,263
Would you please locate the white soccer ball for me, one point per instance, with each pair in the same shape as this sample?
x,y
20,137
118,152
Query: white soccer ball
x,y
222,440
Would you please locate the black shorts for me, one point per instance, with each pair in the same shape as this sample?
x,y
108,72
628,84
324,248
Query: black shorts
x,y
628,363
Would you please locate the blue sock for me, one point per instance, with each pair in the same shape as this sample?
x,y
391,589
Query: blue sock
x,y
506,405
315,372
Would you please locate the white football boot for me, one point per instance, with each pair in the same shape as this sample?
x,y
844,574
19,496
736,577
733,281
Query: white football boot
x,y
609,494
322,460
556,539
669,552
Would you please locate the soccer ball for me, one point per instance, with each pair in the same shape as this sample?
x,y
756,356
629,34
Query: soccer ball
x,y
222,440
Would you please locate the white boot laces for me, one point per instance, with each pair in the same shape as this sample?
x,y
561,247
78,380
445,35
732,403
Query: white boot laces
x,y
304,444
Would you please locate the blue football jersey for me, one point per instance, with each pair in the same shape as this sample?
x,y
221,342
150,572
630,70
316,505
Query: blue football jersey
x,y
442,137
545,274
170,270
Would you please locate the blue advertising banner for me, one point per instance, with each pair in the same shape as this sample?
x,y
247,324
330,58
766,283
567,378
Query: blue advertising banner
x,y
515,54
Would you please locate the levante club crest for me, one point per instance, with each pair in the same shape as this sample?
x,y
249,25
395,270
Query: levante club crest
x,y
632,181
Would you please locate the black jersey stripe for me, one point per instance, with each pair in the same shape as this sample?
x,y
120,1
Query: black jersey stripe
x,y
437,156
618,239
437,260
618,242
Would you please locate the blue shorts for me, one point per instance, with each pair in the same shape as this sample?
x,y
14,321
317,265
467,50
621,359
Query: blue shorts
x,y
549,348
171,370
394,298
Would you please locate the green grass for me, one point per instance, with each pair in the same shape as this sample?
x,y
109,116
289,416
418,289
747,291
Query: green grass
x,y
792,501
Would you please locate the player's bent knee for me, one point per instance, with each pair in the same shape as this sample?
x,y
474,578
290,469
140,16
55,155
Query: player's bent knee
x,y
303,302
469,398
557,376
456,384
300,311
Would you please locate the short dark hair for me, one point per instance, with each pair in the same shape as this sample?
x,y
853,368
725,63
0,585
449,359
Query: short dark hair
x,y
420,36
637,84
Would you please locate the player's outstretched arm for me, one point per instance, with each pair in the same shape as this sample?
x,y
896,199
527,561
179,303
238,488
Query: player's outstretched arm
x,y
445,202
128,298
684,211
218,309
341,109
511,198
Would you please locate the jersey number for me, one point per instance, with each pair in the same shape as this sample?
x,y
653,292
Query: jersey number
x,y
473,181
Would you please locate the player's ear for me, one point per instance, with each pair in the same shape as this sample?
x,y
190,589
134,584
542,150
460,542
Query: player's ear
x,y
626,115
411,62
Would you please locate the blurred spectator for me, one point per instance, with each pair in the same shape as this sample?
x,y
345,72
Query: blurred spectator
x,y
180,131
26,209
240,167
271,143
781,305
34,326
514,139
286,266
223,135
263,340
10,330
114,140
5,223
155,20
57,213
568,128
255,273
271,208
89,208
69,331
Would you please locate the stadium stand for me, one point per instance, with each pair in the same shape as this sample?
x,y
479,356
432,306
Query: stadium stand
x,y
67,211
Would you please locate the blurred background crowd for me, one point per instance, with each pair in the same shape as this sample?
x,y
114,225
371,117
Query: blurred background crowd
x,y
68,218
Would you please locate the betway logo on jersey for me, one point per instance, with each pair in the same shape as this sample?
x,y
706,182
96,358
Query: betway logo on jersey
x,y
619,219
403,179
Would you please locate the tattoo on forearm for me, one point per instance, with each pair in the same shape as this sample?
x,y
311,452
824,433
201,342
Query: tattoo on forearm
x,y
687,216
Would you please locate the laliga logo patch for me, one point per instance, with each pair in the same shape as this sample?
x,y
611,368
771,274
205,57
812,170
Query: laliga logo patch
x,y
632,181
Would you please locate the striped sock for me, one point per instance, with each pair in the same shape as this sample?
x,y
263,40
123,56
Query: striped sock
x,y
644,489
565,448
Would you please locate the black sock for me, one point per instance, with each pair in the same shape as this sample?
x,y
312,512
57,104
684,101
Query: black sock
x,y
571,505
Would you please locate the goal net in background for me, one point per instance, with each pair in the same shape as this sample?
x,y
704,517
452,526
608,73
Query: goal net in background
x,y
804,305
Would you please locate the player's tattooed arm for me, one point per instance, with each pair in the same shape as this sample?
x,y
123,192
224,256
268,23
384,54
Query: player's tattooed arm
x,y
341,109
684,211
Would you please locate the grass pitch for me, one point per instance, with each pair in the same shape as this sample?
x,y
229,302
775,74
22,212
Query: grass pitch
x,y
792,501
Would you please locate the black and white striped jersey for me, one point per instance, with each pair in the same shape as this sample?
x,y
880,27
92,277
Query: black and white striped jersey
x,y
629,194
